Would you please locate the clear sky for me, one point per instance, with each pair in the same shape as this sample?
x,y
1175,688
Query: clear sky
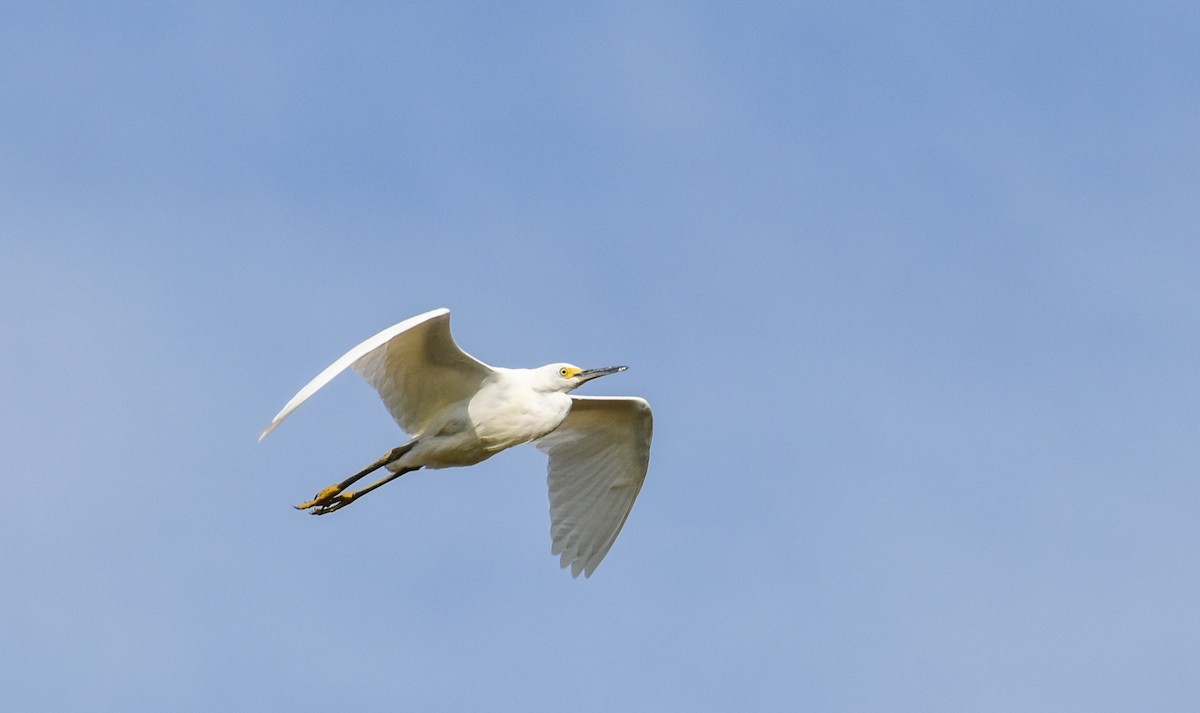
x,y
913,289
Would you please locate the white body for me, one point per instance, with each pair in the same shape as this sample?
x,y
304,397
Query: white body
x,y
461,411
469,431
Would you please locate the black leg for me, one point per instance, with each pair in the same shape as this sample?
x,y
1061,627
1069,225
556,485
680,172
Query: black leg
x,y
344,499
328,495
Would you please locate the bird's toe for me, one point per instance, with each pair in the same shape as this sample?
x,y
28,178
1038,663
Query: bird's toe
x,y
322,498
337,503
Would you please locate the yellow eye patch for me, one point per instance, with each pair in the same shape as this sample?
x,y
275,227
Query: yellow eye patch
x,y
569,371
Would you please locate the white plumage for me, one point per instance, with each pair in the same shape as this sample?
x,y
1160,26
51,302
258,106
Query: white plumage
x,y
461,411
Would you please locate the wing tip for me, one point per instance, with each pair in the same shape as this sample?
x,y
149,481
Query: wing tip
x,y
578,562
279,418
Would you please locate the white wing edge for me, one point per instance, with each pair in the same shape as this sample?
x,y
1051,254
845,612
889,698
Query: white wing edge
x,y
345,361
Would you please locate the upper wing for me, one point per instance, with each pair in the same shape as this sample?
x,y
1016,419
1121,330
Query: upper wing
x,y
415,366
598,460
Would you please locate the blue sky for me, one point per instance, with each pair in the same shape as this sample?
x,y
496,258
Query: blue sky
x,y
912,289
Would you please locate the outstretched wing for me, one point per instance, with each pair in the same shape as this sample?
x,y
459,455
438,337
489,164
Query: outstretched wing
x,y
415,366
598,460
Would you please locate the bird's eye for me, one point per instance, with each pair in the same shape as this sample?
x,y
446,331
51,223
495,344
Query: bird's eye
x,y
563,372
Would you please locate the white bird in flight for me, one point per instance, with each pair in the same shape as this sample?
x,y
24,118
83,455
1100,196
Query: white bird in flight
x,y
461,411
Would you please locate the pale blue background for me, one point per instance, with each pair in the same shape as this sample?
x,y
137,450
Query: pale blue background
x,y
914,290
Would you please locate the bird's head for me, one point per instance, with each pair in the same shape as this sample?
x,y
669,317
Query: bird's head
x,y
568,377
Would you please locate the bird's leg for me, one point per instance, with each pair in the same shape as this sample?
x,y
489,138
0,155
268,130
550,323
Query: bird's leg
x,y
328,495
343,499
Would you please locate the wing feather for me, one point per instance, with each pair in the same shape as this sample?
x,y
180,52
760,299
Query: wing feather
x,y
415,365
598,461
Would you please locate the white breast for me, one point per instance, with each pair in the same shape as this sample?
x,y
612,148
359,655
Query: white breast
x,y
507,411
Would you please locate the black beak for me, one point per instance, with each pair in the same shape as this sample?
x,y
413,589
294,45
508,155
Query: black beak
x,y
589,374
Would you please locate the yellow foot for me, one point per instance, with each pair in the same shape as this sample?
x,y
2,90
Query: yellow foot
x,y
324,497
337,503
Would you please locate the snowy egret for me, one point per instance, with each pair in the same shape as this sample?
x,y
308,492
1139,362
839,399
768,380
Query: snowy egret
x,y
461,411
